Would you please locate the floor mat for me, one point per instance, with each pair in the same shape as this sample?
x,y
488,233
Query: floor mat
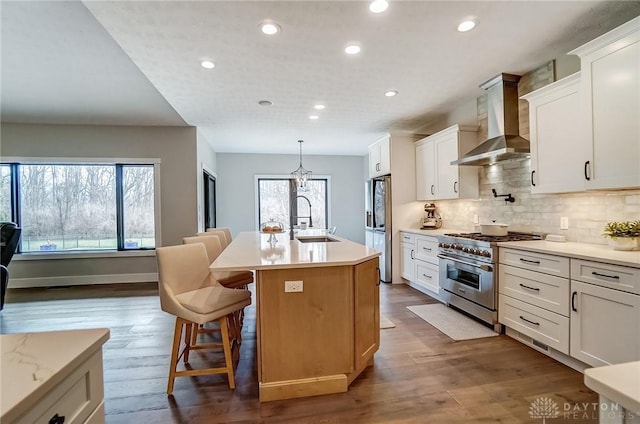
x,y
385,322
452,323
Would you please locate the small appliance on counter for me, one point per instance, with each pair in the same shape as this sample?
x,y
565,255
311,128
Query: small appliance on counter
x,y
433,220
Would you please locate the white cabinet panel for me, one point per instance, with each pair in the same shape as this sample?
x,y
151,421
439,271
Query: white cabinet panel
x,y
380,158
540,262
556,138
547,327
425,171
605,325
407,262
607,275
436,178
545,291
611,89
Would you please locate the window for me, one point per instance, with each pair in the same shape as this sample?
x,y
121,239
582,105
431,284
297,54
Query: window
x,y
276,198
72,207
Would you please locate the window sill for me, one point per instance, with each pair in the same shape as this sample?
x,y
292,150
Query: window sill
x,y
35,256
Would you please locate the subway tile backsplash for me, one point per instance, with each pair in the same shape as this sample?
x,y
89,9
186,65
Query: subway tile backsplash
x,y
588,212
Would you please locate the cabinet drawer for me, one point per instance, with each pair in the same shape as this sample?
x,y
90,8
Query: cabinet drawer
x,y
546,291
541,262
606,275
75,398
544,326
427,275
407,237
97,417
427,249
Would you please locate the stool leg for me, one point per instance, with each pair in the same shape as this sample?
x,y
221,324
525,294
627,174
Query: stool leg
x,y
177,335
226,345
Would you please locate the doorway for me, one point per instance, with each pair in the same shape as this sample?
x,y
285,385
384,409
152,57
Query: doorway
x,y
209,187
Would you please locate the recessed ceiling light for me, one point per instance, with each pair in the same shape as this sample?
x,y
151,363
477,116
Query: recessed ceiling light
x,y
269,28
467,25
207,64
378,6
391,93
319,107
352,49
314,117
265,102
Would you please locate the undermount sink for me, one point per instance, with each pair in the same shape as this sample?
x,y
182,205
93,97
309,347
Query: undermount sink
x,y
315,239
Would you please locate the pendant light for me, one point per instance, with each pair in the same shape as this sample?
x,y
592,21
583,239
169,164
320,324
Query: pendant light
x,y
301,175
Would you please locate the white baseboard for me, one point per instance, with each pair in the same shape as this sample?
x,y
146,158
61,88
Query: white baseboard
x,y
77,280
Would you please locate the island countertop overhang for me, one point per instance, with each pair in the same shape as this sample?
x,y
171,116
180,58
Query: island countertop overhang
x,y
252,251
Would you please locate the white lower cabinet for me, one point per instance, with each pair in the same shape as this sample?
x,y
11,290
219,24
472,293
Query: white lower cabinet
x,y
408,263
533,296
420,262
605,322
586,310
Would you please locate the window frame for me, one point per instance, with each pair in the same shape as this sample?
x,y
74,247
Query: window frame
x,y
15,162
256,186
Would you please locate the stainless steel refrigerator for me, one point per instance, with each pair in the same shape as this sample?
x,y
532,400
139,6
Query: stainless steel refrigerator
x,y
378,221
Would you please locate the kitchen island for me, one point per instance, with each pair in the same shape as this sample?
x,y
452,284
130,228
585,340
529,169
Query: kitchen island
x,y
317,310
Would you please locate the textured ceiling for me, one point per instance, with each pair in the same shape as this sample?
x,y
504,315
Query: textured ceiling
x,y
102,64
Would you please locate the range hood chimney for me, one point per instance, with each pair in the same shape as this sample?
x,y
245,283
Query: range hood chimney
x,y
504,142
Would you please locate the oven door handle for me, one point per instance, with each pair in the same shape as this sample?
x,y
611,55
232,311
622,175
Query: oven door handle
x,y
482,267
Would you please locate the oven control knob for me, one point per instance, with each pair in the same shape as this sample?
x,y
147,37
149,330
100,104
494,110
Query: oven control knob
x,y
474,251
466,250
457,247
486,253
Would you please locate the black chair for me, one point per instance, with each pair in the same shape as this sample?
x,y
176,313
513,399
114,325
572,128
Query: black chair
x,y
9,237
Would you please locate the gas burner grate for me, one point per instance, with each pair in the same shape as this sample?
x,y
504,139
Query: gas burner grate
x,y
512,236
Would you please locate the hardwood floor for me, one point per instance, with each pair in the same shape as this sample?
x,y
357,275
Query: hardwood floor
x,y
420,375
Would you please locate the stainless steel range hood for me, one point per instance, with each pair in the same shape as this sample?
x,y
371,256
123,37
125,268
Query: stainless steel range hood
x,y
504,142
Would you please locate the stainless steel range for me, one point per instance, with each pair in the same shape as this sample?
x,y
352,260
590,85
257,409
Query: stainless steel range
x,y
469,272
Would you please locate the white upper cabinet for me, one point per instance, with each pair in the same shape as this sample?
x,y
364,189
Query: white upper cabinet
x,y
556,137
436,178
425,171
380,158
610,85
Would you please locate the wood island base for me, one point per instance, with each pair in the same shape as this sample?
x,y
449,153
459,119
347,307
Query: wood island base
x,y
318,340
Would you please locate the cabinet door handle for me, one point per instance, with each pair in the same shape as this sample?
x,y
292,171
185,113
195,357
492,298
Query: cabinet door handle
x,y
426,276
530,261
586,169
432,189
573,301
530,288
455,187
428,249
530,322
462,290
597,274
532,183
412,256
379,277
57,419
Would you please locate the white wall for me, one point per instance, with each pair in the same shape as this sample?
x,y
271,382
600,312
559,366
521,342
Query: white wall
x,y
176,149
236,188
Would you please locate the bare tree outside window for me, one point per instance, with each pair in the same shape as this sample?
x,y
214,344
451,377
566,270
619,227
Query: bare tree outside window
x,y
76,206
275,196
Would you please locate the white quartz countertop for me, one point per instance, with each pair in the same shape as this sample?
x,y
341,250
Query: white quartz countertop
x,y
252,251
436,232
34,363
594,252
619,383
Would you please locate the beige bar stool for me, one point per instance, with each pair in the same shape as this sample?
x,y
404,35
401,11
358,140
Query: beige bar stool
x,y
228,279
188,291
